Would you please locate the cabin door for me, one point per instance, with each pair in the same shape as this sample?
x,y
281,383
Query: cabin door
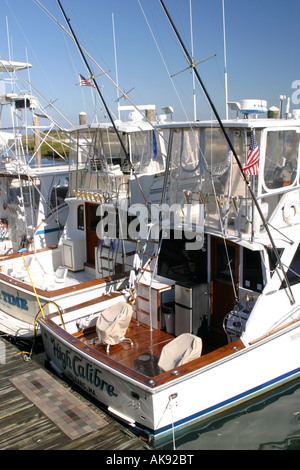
x,y
222,291
91,236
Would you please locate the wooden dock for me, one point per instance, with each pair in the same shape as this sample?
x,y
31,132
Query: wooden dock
x,y
39,411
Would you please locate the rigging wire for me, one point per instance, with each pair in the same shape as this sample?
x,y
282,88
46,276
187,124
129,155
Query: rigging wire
x,y
28,42
105,106
163,60
123,94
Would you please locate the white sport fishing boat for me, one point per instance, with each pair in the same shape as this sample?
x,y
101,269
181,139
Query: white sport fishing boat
x,y
217,316
74,273
33,189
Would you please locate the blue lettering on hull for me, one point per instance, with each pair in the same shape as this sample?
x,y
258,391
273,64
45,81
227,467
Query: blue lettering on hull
x,y
14,301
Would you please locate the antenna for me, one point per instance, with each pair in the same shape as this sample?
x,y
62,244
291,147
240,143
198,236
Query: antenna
x,y
225,61
8,40
116,64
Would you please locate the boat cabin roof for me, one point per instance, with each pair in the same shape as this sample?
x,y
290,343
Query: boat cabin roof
x,y
259,123
141,125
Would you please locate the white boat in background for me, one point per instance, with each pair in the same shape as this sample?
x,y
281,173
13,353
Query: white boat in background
x,y
82,267
216,319
32,209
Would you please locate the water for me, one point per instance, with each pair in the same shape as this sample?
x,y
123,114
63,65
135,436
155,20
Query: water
x,y
273,423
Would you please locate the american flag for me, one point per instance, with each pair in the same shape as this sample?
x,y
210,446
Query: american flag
x,y
84,82
252,166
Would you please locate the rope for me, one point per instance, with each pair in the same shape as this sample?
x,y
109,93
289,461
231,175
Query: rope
x,y
171,397
37,297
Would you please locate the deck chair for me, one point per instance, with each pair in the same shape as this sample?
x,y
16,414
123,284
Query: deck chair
x,y
52,279
112,324
183,349
61,274
19,270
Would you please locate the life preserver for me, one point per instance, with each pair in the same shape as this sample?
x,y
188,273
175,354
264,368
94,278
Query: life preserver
x,y
291,212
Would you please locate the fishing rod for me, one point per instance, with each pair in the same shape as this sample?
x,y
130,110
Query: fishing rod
x,y
265,224
92,76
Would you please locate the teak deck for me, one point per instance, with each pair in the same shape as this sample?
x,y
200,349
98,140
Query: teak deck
x,y
139,361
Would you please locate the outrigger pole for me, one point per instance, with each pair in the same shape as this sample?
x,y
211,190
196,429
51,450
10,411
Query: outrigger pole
x,y
92,77
192,65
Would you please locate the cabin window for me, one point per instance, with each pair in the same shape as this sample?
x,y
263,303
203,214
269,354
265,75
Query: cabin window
x,y
177,263
293,273
185,150
252,270
80,218
30,195
281,159
22,103
145,149
58,195
273,259
216,151
101,148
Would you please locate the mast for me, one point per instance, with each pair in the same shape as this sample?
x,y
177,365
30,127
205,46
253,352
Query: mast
x,y
292,299
92,77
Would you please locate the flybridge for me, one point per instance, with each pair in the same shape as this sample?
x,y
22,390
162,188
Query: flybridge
x,y
21,101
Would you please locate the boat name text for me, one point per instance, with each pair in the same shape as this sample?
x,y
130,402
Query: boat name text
x,y
82,370
15,301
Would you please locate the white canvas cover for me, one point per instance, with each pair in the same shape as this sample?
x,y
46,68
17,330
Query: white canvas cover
x,y
113,322
183,349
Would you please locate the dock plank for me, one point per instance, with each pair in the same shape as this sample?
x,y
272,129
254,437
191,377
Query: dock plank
x,y
27,425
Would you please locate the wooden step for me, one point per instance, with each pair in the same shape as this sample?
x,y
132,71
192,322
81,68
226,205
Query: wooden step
x,y
142,311
142,298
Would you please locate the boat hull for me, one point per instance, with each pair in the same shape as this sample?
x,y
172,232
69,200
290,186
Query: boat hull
x,y
159,409
20,304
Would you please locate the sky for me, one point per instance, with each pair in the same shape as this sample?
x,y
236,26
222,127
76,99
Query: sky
x,y
262,52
